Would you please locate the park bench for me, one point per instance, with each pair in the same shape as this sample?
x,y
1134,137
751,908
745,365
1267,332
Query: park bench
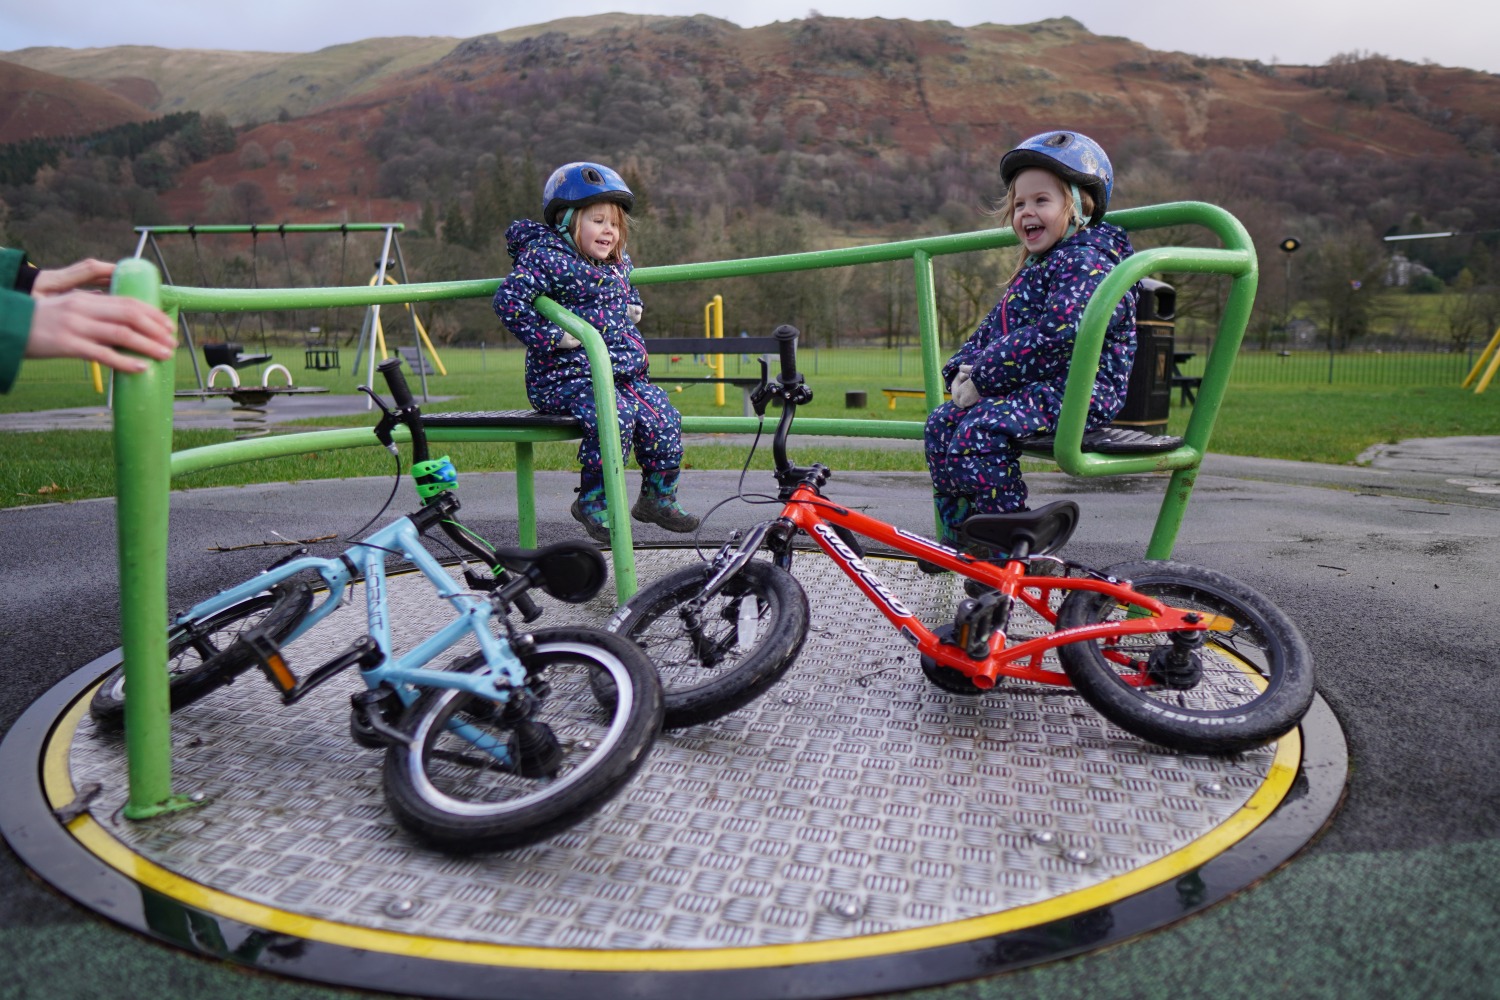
x,y
704,345
232,355
892,395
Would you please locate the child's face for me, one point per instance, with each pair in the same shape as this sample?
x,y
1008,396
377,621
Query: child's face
x,y
598,229
1040,217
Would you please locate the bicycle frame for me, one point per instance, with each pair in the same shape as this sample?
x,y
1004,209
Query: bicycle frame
x,y
402,673
809,511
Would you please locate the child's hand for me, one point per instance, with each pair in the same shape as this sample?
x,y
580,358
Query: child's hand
x,y
568,342
633,313
965,393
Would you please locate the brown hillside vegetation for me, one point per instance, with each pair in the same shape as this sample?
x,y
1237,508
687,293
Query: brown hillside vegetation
x,y
893,88
40,105
243,86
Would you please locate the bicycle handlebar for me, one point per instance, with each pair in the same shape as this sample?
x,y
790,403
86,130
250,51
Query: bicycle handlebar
x,y
407,410
792,390
786,343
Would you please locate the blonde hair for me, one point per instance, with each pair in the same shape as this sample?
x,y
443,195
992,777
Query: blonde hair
x,y
1008,212
621,220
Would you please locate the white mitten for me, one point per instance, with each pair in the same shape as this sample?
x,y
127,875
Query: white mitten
x,y
965,394
568,342
633,312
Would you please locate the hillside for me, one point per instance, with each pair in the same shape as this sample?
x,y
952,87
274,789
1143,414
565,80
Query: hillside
x,y
37,105
794,135
630,88
242,86
261,86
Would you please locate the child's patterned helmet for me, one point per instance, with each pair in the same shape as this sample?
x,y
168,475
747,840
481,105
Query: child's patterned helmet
x,y
574,185
1073,156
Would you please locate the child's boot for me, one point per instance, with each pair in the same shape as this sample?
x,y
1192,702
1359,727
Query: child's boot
x,y
658,502
589,509
951,510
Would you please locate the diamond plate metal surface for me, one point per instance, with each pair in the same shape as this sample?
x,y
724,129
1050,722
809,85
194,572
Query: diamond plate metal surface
x,y
853,799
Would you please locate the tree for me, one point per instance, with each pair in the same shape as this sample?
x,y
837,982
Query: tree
x,y
253,155
1345,281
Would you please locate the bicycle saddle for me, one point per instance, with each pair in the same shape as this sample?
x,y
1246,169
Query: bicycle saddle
x,y
571,572
1024,532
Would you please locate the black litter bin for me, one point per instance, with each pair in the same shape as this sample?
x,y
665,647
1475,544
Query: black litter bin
x,y
1148,400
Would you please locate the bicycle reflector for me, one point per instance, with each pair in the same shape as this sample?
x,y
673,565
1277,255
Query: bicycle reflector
x,y
434,476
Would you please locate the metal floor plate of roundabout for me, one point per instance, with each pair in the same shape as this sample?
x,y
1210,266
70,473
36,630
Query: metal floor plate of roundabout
x,y
856,830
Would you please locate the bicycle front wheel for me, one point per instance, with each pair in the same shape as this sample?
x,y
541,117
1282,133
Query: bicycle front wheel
x,y
751,633
201,655
478,776
1241,688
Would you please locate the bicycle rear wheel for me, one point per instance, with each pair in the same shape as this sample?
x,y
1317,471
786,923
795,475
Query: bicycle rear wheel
x,y
478,776
753,630
1244,687
201,655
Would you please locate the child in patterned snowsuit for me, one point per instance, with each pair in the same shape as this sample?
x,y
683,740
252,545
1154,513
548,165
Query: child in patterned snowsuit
x,y
578,260
1007,379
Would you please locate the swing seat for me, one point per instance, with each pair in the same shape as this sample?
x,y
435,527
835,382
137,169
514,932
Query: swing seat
x,y
321,358
232,355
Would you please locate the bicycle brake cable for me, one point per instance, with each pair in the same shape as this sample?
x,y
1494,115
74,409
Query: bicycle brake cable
x,y
395,485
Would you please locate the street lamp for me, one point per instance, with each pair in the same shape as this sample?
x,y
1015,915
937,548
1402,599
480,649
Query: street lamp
x,y
1288,246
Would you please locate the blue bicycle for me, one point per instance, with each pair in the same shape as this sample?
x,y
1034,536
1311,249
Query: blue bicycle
x,y
504,747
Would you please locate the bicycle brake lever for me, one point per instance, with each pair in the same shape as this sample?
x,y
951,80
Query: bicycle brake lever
x,y
388,422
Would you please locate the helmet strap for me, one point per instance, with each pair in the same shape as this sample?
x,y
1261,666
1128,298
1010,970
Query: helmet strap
x,y
1078,218
563,228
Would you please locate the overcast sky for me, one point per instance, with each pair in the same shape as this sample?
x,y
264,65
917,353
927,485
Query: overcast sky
x,y
1448,32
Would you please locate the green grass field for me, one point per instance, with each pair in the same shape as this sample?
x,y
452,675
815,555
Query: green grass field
x,y
1309,420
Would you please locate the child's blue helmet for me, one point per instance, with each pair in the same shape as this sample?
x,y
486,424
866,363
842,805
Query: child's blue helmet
x,y
1073,156
574,185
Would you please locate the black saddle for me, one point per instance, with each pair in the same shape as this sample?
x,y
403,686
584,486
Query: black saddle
x,y
1024,533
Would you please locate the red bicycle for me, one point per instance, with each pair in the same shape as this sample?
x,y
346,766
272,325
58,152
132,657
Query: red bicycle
x,y
1185,657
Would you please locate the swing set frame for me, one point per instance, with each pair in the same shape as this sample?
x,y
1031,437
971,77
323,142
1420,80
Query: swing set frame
x,y
390,255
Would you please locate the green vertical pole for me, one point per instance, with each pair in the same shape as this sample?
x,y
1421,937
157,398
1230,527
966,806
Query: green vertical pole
x,y
525,495
601,369
143,448
927,329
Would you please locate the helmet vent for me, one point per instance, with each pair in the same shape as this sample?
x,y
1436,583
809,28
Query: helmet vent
x,y
1058,140
592,176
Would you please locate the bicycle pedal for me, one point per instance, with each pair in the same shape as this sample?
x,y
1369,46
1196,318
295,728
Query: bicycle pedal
x,y
267,655
971,631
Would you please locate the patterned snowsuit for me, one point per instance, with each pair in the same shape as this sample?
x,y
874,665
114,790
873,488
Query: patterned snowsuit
x,y
1020,355
557,380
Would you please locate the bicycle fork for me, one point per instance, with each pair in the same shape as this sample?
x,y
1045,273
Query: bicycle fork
x,y
724,567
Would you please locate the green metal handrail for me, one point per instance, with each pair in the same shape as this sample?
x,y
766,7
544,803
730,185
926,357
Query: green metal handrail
x,y
143,417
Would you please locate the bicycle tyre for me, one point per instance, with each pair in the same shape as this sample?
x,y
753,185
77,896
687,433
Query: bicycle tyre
x,y
694,692
1256,681
441,790
201,656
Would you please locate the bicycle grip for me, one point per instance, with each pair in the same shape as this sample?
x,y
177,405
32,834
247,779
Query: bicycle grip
x,y
786,342
529,611
396,380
